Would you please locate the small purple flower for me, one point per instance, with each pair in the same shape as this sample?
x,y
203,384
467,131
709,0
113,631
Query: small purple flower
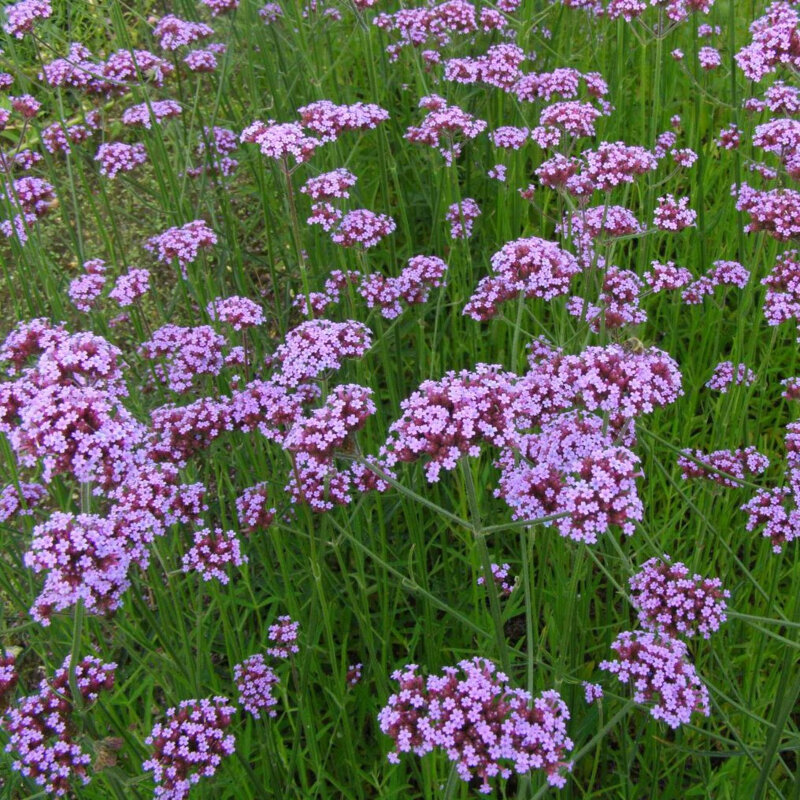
x,y
211,552
283,635
256,682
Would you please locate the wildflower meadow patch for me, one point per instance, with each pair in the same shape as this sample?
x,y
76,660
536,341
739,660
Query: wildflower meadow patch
x,y
400,399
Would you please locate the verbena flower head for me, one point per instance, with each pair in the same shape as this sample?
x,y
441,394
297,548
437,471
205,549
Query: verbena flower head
x,y
189,745
256,682
20,500
443,125
174,32
144,114
188,352
726,375
592,692
674,214
182,244
487,728
130,286
500,576
412,285
116,157
671,601
447,419
238,312
327,429
253,509
329,185
530,267
316,346
776,211
461,216
211,553
283,635
40,726
775,42
21,16
659,671
280,141
737,463
363,228
329,121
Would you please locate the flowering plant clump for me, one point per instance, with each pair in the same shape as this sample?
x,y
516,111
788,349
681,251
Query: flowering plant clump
x,y
671,601
190,745
486,728
659,671
435,324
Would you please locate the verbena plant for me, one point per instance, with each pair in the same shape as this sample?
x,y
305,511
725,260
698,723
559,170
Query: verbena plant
x,y
395,398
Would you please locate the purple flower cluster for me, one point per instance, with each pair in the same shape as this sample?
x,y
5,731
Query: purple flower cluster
x,y
21,16
329,121
182,244
145,113
775,42
442,124
40,727
674,214
316,346
658,669
363,228
726,375
447,419
281,140
412,285
84,290
189,353
211,552
574,470
500,573
20,500
87,558
776,211
256,681
461,215
283,635
190,745
238,312
671,602
174,32
487,728
130,286
530,268
736,463
116,157
329,185
253,510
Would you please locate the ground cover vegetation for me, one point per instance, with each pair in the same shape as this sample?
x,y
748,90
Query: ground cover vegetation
x,y
400,400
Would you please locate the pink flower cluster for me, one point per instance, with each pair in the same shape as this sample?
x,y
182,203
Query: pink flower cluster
x,y
316,346
189,745
256,682
130,287
116,157
530,268
281,140
283,635
363,228
238,312
182,244
412,285
253,510
573,470
21,16
657,668
500,573
174,32
189,353
40,726
776,211
145,113
722,273
782,299
671,602
447,419
461,216
211,552
442,125
84,290
329,185
674,214
775,42
487,728
726,375
735,463
329,121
